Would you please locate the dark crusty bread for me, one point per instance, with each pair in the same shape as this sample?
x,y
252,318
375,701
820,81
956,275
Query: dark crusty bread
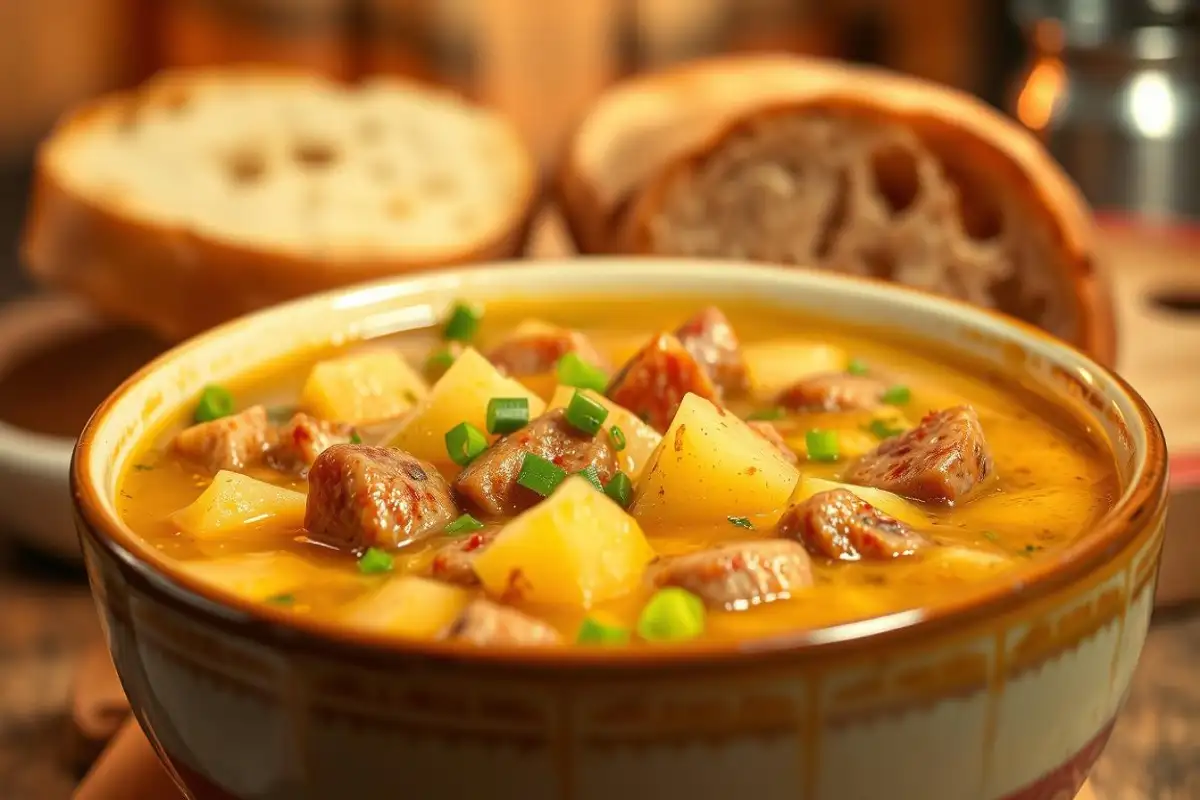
x,y
848,169
207,194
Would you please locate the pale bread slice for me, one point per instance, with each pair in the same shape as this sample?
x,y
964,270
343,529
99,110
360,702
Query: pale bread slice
x,y
207,194
851,169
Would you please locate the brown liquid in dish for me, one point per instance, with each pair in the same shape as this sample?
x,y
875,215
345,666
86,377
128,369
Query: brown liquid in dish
x,y
55,389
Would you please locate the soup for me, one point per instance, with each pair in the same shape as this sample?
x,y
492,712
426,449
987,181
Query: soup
x,y
600,474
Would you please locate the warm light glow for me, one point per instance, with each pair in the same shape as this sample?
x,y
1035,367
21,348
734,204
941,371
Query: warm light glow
x,y
1036,102
1152,105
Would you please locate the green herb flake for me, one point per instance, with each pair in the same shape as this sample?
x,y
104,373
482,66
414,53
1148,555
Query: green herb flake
x,y
375,562
741,522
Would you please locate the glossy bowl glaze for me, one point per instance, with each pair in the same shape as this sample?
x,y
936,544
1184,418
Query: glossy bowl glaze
x,y
1007,691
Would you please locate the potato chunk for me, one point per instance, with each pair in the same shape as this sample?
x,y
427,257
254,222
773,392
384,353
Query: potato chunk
x,y
774,366
255,576
891,504
461,395
234,505
640,439
577,547
361,388
711,466
409,606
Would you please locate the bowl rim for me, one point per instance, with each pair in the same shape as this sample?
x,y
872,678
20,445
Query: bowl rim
x,y
1140,501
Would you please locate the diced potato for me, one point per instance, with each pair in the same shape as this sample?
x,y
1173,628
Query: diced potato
x,y
640,439
362,387
234,505
255,576
461,395
409,606
711,466
774,366
891,504
577,547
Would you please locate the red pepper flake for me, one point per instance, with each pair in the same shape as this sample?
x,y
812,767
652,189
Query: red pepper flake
x,y
474,543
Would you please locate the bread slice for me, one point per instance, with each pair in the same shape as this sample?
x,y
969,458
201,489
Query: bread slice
x,y
849,169
207,194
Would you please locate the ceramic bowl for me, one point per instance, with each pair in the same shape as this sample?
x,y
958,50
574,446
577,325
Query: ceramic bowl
x,y
1008,691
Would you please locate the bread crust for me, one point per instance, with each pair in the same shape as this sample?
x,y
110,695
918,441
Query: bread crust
x,y
178,282
608,197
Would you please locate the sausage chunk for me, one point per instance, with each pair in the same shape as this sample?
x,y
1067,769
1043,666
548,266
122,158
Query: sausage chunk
x,y
838,524
234,442
490,481
454,563
654,382
361,496
739,575
772,435
940,461
535,347
301,439
832,392
710,339
486,623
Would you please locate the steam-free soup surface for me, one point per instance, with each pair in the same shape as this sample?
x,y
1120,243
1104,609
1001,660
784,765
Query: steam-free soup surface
x,y
580,473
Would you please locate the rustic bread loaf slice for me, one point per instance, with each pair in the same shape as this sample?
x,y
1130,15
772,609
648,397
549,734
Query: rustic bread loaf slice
x,y
207,194
849,169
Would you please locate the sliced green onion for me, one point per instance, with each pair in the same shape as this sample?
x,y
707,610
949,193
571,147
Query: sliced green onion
x,y
585,414
438,362
672,615
592,476
374,562
215,402
463,322
574,371
539,475
882,429
355,438
464,524
822,445
897,395
464,443
282,599
620,489
765,414
507,414
741,522
618,438
857,367
592,631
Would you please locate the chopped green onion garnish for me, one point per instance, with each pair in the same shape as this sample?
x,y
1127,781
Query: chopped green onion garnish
x,y
374,561
574,371
539,475
822,445
507,414
991,536
882,429
741,522
897,395
282,599
592,475
464,524
592,631
215,402
585,414
767,414
672,615
620,489
857,367
463,323
355,438
465,442
438,362
618,438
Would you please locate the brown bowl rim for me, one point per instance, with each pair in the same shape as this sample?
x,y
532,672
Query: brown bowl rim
x,y
263,623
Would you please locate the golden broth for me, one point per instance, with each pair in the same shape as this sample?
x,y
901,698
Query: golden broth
x,y
1054,482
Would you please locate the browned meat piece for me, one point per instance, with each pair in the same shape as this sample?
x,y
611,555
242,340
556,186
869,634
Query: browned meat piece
x,y
710,339
301,439
486,623
832,392
772,435
490,481
654,382
361,496
454,563
941,460
234,442
739,575
838,524
534,348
